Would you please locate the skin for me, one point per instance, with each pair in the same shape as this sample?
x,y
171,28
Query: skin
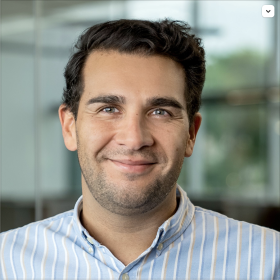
x,y
130,149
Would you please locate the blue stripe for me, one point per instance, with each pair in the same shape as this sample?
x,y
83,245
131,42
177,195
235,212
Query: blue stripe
x,y
220,248
244,251
256,253
209,239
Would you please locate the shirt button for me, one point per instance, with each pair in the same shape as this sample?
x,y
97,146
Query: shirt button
x,y
90,250
125,276
160,246
90,240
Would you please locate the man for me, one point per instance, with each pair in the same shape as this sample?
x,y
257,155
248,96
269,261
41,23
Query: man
x,y
130,109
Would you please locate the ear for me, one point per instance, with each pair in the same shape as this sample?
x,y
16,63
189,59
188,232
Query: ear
x,y
192,134
68,125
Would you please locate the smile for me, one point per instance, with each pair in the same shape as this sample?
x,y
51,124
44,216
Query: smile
x,y
133,166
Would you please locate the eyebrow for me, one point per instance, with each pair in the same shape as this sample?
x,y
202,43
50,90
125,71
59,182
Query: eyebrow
x,y
165,102
108,99
153,101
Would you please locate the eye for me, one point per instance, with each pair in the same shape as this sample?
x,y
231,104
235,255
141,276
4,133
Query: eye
x,y
160,112
110,110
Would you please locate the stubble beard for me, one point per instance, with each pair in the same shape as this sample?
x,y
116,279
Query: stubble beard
x,y
125,199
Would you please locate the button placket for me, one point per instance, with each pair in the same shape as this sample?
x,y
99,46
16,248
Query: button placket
x,y
90,250
90,240
125,276
160,246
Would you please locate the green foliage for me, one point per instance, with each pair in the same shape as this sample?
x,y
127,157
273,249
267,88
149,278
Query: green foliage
x,y
238,70
235,147
234,137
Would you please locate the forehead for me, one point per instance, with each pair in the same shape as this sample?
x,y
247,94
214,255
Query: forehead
x,y
132,75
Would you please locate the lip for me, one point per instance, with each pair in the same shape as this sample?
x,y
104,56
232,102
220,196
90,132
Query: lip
x,y
133,166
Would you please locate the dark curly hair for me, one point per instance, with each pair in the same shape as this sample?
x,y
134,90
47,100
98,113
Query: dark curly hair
x,y
168,38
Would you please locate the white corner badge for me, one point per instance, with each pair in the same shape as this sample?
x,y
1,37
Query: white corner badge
x,y
268,11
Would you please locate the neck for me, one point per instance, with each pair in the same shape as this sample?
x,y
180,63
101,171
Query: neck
x,y
126,236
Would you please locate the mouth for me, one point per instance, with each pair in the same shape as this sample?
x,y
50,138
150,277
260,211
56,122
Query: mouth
x,y
129,166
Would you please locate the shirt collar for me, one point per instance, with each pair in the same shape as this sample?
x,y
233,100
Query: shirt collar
x,y
172,228
167,232
76,216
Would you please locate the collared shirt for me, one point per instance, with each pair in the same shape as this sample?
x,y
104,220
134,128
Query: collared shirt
x,y
193,244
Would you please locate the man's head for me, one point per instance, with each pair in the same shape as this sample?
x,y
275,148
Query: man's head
x,y
167,38
131,122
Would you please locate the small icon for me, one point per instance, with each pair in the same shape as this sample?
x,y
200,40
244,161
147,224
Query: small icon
x,y
268,11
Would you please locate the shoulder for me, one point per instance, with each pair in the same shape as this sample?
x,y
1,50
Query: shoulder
x,y
242,244
208,216
35,228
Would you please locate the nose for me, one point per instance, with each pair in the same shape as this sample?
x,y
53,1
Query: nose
x,y
134,133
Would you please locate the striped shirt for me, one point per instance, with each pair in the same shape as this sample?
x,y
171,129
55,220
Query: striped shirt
x,y
193,244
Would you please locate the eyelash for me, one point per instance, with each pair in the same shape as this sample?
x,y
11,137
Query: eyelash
x,y
102,110
157,109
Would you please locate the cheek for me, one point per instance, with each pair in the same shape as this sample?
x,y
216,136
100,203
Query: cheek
x,y
173,142
95,135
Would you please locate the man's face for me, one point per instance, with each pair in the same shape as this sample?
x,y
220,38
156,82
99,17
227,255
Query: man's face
x,y
132,130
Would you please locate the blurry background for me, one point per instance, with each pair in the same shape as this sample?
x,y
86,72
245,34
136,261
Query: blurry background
x,y
235,166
